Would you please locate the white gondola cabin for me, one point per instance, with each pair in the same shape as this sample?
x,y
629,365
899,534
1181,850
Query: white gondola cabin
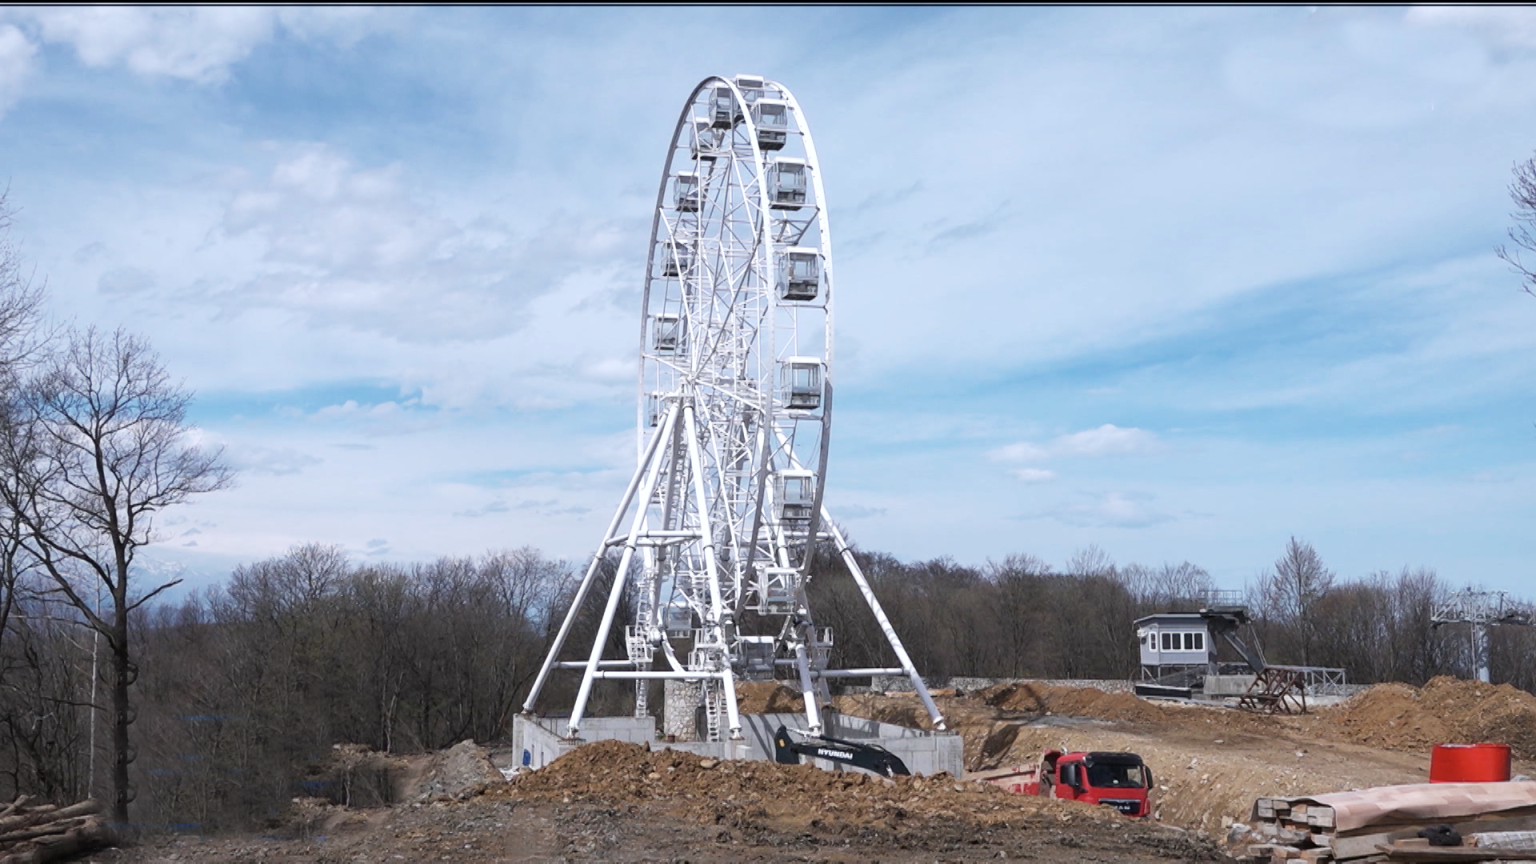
x,y
800,273
794,495
778,590
751,87
688,192
772,119
706,142
722,108
800,382
667,334
788,182
676,260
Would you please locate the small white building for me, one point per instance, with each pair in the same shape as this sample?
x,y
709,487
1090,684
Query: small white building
x,y
1174,640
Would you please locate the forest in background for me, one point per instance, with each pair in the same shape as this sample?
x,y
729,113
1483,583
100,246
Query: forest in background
x,y
242,689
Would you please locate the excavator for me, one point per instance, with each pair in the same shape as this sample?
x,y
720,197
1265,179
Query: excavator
x,y
868,757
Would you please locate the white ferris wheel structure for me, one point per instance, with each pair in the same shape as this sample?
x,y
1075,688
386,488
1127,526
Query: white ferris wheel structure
x,y
716,529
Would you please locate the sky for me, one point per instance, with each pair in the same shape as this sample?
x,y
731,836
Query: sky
x,y
1177,283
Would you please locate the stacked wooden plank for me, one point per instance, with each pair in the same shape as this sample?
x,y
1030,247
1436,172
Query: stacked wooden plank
x,y
1383,824
39,833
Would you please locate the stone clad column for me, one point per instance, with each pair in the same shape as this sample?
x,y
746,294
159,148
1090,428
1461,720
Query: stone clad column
x,y
679,707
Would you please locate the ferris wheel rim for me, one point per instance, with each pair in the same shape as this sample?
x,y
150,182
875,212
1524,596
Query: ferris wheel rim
x,y
777,231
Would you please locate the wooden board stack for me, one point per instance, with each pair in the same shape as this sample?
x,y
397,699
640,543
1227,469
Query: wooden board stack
x,y
1295,830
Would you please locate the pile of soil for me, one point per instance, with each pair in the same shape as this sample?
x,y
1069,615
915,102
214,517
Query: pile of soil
x,y
620,773
460,771
767,697
1037,698
759,799
1446,711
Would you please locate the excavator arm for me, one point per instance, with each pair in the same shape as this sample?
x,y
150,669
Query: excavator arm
x,y
870,757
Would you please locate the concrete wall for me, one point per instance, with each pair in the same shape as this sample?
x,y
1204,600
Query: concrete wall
x,y
539,742
901,684
1227,685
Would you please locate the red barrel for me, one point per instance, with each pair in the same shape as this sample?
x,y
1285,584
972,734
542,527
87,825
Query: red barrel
x,y
1469,763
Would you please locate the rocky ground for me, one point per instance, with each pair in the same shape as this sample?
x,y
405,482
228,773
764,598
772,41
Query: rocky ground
x,y
617,802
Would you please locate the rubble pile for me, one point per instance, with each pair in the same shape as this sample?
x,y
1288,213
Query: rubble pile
x,y
1037,698
767,697
1445,711
458,772
712,790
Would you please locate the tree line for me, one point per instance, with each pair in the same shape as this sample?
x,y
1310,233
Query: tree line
x,y
244,687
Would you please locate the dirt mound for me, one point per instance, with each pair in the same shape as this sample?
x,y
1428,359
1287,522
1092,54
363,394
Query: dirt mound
x,y
460,771
1446,711
621,773
752,800
767,697
1037,698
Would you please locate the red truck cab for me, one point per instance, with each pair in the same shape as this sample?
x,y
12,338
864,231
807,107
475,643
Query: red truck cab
x,y
1118,780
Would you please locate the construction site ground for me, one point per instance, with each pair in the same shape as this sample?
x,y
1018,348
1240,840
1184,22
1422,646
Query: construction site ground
x,y
610,801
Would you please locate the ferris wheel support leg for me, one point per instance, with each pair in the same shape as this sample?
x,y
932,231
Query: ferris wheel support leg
x,y
808,689
885,623
586,582
711,567
652,475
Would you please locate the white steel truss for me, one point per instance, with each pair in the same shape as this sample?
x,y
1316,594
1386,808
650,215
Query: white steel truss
x,y
716,528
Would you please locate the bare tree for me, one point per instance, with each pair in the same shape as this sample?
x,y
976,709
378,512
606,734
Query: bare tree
x,y
98,445
1291,592
1522,190
21,334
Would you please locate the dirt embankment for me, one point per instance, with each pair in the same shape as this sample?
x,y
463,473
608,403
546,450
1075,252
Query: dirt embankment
x,y
754,800
1210,763
1446,710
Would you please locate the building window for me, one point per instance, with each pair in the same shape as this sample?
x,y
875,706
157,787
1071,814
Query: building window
x,y
1167,641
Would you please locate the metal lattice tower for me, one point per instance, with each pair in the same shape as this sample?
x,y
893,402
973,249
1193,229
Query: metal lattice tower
x,y
717,526
1481,610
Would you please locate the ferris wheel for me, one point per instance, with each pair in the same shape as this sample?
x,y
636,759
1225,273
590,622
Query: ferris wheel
x,y
734,415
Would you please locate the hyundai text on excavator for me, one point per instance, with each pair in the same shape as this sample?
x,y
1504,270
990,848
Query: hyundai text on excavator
x,y
869,757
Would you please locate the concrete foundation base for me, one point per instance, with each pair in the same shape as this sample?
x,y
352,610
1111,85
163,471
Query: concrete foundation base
x,y
539,742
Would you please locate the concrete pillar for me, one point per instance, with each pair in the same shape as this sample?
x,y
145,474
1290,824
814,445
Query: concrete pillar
x,y
679,707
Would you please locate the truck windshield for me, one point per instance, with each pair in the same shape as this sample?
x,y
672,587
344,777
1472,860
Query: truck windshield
x,y
1111,776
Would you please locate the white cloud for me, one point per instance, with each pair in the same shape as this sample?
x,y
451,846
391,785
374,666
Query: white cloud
x,y
16,54
265,460
343,245
1106,510
195,43
198,43
1022,451
1034,475
1508,25
1106,440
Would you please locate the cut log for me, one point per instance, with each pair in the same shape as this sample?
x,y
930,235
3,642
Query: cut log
x,y
47,813
94,834
48,833
56,827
